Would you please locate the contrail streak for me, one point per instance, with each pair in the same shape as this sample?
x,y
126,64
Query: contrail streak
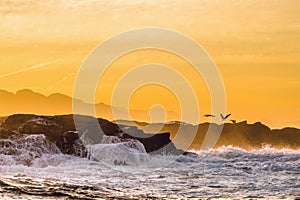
x,y
66,77
27,69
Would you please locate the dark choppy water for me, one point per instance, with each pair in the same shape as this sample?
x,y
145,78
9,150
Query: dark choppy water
x,y
223,173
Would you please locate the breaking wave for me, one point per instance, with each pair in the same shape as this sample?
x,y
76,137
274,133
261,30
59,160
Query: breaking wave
x,y
31,166
38,151
24,149
115,152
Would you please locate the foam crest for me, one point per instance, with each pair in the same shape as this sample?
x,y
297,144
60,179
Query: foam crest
x,y
265,150
110,139
23,149
115,152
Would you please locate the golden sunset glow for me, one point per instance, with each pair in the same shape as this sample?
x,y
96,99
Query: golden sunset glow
x,y
255,45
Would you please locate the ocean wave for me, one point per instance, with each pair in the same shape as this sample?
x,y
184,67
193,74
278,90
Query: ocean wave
x,y
226,172
24,149
240,151
130,153
38,151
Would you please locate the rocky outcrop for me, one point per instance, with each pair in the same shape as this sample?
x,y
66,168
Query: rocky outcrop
x,y
243,135
61,131
156,143
258,135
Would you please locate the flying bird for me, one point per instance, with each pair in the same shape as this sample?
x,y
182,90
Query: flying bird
x,y
233,121
224,118
208,115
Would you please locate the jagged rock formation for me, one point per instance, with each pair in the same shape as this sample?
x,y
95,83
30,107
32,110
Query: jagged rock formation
x,y
243,135
61,131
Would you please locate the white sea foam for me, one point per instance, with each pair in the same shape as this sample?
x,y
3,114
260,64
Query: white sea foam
x,y
226,172
23,149
115,152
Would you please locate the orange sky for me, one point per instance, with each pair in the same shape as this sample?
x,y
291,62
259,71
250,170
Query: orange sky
x,y
255,45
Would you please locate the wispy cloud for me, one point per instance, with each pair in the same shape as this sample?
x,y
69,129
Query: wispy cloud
x,y
27,69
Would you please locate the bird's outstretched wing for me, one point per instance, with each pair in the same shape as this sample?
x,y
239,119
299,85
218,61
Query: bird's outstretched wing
x,y
227,116
224,118
208,115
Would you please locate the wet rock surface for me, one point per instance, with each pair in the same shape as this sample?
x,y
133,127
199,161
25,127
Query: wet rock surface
x,y
61,131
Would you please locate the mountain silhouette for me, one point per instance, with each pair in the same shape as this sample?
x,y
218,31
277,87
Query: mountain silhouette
x,y
29,102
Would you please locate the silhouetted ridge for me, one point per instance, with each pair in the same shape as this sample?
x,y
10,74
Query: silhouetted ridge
x,y
27,101
242,134
61,131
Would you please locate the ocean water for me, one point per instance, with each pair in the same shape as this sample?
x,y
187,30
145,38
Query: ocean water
x,y
33,168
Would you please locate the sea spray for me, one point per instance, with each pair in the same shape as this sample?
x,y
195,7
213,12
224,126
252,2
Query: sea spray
x,y
113,151
23,149
227,172
110,139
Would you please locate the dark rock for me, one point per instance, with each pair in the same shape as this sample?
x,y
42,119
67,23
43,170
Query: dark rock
x,y
242,134
6,134
156,143
13,122
61,130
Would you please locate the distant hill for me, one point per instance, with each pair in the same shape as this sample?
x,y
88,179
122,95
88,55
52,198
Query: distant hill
x,y
28,102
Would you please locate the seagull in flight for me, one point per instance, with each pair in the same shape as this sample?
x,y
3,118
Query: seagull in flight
x,y
233,121
208,115
224,118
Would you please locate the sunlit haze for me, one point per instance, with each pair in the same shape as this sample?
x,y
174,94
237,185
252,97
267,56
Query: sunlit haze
x,y
255,45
